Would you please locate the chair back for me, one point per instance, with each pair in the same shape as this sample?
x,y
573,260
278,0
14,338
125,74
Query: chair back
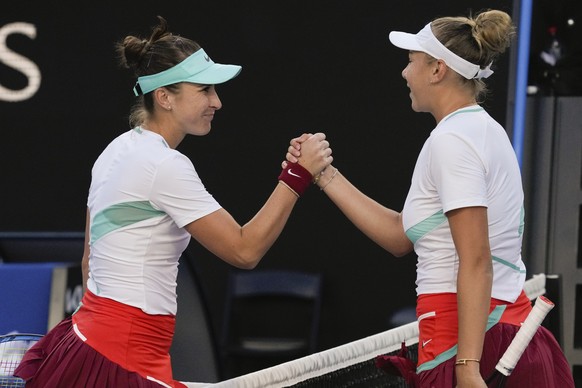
x,y
269,314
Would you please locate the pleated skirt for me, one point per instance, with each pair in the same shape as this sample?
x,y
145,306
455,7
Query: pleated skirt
x,y
105,344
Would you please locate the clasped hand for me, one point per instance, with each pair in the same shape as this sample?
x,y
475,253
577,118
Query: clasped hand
x,y
311,151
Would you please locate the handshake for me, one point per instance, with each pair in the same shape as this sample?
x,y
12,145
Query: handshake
x,y
308,160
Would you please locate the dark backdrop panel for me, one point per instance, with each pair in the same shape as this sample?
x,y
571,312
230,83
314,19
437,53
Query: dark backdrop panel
x,y
307,66
555,63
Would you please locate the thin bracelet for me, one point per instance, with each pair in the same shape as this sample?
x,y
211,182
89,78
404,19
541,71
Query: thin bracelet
x,y
330,179
463,361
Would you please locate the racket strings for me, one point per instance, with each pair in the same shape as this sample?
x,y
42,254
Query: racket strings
x,y
12,349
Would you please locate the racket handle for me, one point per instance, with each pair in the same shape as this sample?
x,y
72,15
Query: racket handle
x,y
524,335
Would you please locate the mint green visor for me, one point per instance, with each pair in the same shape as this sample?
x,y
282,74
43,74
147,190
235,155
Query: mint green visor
x,y
198,68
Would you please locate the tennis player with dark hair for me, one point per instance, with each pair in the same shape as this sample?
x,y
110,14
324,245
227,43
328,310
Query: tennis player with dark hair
x,y
145,202
463,216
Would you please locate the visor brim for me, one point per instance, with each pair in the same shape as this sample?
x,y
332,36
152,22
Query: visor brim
x,y
215,74
405,40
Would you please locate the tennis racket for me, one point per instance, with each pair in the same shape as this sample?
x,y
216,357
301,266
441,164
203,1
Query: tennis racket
x,y
12,348
517,346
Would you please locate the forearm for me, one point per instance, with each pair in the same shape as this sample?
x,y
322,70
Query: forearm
x,y
380,224
244,246
469,229
473,299
261,232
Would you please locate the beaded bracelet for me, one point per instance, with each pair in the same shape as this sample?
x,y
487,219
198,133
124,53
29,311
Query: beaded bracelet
x,y
296,177
317,177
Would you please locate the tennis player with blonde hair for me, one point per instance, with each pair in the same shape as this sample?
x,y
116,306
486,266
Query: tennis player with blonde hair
x,y
463,216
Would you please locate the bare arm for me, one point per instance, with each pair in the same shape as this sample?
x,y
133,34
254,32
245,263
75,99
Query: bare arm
x,y
380,224
244,246
469,228
86,251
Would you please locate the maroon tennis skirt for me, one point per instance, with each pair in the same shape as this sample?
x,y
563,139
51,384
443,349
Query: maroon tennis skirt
x,y
105,344
542,364
62,359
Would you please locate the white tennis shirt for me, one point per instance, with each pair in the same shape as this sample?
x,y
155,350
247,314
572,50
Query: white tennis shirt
x,y
467,161
142,194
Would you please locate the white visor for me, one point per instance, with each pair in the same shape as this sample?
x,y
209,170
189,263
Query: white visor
x,y
426,42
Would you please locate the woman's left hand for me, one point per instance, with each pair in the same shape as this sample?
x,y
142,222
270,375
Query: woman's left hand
x,y
468,378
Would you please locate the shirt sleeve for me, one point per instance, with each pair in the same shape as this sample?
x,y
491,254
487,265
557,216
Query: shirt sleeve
x,y
458,172
179,191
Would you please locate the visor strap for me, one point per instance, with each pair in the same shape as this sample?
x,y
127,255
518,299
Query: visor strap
x,y
137,90
432,46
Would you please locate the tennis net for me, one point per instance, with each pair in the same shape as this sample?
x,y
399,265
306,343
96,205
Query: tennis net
x,y
349,365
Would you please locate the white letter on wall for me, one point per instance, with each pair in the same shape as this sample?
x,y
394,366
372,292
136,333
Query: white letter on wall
x,y
19,63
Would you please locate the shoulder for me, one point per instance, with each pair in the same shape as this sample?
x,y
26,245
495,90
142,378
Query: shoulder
x,y
463,120
467,126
